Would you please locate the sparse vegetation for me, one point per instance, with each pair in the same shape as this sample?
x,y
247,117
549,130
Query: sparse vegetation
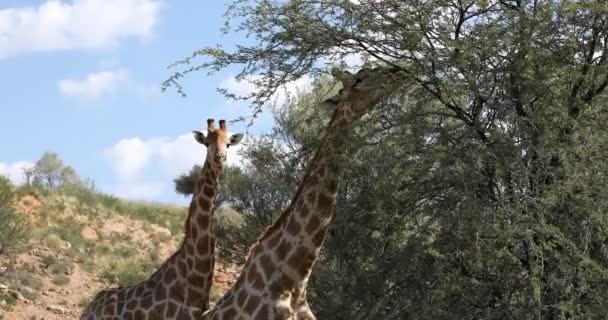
x,y
12,225
61,279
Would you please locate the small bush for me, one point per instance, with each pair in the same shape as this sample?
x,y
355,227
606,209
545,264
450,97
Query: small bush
x,y
12,225
49,260
9,300
52,241
126,251
61,279
126,273
30,281
84,301
62,267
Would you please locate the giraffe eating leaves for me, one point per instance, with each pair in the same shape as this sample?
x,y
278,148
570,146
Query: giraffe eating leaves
x,y
179,289
273,282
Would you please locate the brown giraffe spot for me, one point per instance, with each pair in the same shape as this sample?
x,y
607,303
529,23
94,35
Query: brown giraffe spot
x,y
252,273
312,180
267,265
194,298
122,294
230,313
175,293
209,192
305,211
283,249
310,197
147,302
193,231
190,263
258,283
139,291
127,315
158,312
293,227
239,283
196,279
170,275
120,307
318,238
203,265
99,310
189,249
203,244
203,221
160,293
262,314
313,224
324,201
241,297
150,284
204,204
171,310
108,310
132,304
139,315
333,186
252,304
255,278
301,260
130,293
182,269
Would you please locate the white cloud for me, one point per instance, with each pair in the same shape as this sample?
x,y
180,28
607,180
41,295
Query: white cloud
x,y
129,156
137,161
94,85
244,87
14,171
142,190
76,24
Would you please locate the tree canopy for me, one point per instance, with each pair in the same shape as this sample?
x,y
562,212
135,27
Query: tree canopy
x,y
477,192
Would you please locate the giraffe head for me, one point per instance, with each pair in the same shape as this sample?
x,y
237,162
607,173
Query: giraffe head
x,y
359,91
217,141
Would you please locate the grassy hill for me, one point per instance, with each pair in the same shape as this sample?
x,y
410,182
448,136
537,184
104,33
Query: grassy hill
x,y
78,241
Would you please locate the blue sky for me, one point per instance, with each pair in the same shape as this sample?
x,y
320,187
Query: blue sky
x,y
82,78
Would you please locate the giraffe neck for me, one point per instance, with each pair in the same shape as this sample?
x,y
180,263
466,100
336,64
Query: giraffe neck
x,y
282,259
194,262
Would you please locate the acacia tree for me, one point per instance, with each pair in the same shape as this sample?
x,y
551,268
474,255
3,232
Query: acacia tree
x,y
477,193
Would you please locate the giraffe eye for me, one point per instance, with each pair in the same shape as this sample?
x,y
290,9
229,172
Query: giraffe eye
x,y
228,145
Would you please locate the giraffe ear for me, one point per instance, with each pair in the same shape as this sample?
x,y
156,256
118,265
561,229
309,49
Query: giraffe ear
x,y
236,138
199,137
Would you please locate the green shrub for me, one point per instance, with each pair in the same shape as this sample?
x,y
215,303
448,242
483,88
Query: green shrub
x,y
84,301
30,281
9,300
61,267
13,227
126,251
61,279
52,241
49,260
125,273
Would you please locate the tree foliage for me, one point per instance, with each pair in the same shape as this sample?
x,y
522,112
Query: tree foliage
x,y
50,172
478,193
12,224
